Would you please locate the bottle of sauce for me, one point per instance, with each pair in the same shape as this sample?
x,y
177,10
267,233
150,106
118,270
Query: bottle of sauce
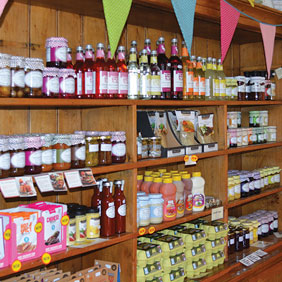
x,y
147,47
79,81
168,190
198,192
155,87
164,66
100,68
69,59
155,186
187,74
112,75
145,187
179,195
199,80
108,219
97,196
176,72
89,73
139,182
120,207
122,74
188,198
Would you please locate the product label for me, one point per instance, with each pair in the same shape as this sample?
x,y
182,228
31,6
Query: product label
x,y
110,212
52,226
180,206
169,209
82,225
67,85
196,86
18,160
231,191
122,210
80,153
47,157
217,88
202,86
145,213
5,77
189,202
122,83
245,187
34,79
33,158
133,84
265,228
251,186
145,81
198,200
50,85
71,231
119,150
78,84
88,79
177,80
5,161
255,84
112,82
66,155
208,88
222,87
189,82
237,189
58,54
257,184
93,148
17,78
165,81
94,226
106,147
103,85
155,88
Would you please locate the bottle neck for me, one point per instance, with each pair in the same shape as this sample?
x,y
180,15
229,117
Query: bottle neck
x,y
148,49
106,191
121,56
174,50
184,52
88,55
79,56
100,54
69,58
109,55
161,48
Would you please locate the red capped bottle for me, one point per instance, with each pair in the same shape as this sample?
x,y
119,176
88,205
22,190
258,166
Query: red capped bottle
x,y
112,75
79,81
120,206
89,73
122,74
69,59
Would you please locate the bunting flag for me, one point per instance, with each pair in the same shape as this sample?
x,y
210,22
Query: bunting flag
x,y
185,11
2,6
228,18
116,13
252,2
268,37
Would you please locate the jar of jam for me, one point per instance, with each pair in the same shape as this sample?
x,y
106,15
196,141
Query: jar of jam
x,y
105,150
5,75
275,221
241,81
251,184
77,151
270,223
118,139
33,155
61,152
17,155
145,148
246,238
56,52
67,83
239,238
91,151
244,185
4,157
255,86
47,152
33,77
50,82
17,77
154,147
139,148
248,84
231,241
264,227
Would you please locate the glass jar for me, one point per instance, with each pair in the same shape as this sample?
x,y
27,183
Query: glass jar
x,y
252,137
241,82
17,155
33,155
239,119
144,211
105,150
17,77
56,52
118,139
271,134
270,223
255,87
251,183
145,148
254,118
237,186
275,221
33,77
61,152
244,134
154,147
257,181
234,89
260,135
5,75
139,148
232,120
244,185
4,157
156,208
263,117
67,83
264,227
91,151
233,138
47,152
92,223
239,137
50,83
239,237
231,189
277,176
77,151
231,241
246,237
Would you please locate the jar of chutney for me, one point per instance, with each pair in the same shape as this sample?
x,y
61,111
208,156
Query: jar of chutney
x,y
118,139
105,150
56,52
17,155
47,152
77,151
17,77
33,155
239,238
4,157
61,152
91,151
50,83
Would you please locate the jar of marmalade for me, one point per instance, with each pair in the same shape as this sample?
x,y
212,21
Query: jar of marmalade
x,y
77,151
17,154
105,150
4,157
61,152
17,77
50,82
56,52
33,154
118,146
47,152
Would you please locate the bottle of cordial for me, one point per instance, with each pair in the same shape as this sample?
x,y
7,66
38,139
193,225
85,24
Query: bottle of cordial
x,y
145,76
89,73
112,75
122,74
133,75
69,59
79,81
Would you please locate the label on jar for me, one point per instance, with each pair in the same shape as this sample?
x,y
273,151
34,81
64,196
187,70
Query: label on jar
x,y
233,140
139,148
133,84
93,148
251,186
189,81
18,160
106,147
80,153
119,150
5,161
169,209
34,79
265,181
122,210
50,85
5,77
66,155
196,86
255,84
103,82
78,84
165,81
122,83
156,211
82,229
265,228
231,191
33,158
71,231
232,241
245,187
237,189
222,87
257,184
88,82
275,223
241,239
144,213
247,236
253,137
177,80
67,85
112,82
59,54
277,178
110,212
47,157
17,78
245,140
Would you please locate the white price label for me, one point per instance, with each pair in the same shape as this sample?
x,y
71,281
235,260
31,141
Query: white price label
x,y
261,253
245,261
253,257
217,213
73,179
9,188
43,183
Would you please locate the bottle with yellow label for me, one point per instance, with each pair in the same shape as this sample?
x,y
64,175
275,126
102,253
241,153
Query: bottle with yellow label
x,y
81,227
155,87
221,78
200,77
210,80
145,76
215,80
92,223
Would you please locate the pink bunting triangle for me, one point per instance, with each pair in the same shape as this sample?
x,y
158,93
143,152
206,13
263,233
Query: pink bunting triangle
x,y
2,6
268,37
229,18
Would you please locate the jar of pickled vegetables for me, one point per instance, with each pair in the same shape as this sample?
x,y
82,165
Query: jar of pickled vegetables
x,y
91,151
4,157
61,152
33,154
105,150
47,152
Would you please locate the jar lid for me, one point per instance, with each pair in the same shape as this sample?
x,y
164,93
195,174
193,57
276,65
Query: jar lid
x,y
104,137
91,138
4,60
80,132
139,194
148,178
162,170
32,142
104,133
66,72
62,139
157,180
139,177
176,178
92,133
56,42
16,142
47,140
155,138
77,139
167,180
196,174
186,176
92,210
118,136
34,64
155,196
17,61
50,72
148,172
4,143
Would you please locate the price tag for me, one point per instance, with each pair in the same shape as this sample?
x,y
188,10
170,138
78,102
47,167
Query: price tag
x,y
43,183
16,266
151,230
65,220
261,253
190,160
245,261
46,258
277,234
38,227
7,234
253,257
217,213
9,188
142,231
73,179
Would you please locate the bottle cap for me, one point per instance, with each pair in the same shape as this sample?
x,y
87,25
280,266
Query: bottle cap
x,y
69,50
167,180
176,178
121,48
147,41
186,176
133,43
79,49
88,47
144,52
196,174
100,45
157,180
174,40
132,50
139,177
161,40
148,178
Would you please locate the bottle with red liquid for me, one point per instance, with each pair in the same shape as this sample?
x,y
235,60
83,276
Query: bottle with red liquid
x,y
176,72
69,59
79,81
120,206
89,73
112,75
122,74
147,46
100,67
97,196
108,219
164,66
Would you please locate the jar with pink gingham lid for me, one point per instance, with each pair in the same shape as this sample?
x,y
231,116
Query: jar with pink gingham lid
x,y
56,52
50,83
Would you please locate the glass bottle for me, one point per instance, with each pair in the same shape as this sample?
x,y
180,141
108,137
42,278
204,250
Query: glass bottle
x,y
147,47
108,223
155,77
221,78
210,77
112,75
134,45
216,90
122,74
100,68
79,81
69,59
145,76
97,196
176,72
187,74
204,65
133,75
164,66
120,206
199,81
89,73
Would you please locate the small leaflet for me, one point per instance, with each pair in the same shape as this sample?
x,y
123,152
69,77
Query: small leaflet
x,y
217,213
253,257
261,253
58,181
86,177
25,186
9,188
73,179
245,261
277,234
43,183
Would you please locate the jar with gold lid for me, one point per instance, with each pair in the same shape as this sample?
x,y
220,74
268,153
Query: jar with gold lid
x,y
5,75
17,77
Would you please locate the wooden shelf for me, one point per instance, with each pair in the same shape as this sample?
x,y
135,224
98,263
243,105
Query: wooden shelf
x,y
253,148
113,168
186,218
69,253
263,194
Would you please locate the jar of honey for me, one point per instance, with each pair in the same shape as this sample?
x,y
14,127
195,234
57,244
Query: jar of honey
x,y
61,152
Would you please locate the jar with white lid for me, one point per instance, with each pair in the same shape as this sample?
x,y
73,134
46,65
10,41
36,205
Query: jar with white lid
x,y
156,208
17,77
56,52
67,83
50,83
33,77
5,75
271,135
144,202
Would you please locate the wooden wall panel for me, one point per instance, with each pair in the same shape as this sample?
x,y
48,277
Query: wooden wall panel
x,y
135,33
